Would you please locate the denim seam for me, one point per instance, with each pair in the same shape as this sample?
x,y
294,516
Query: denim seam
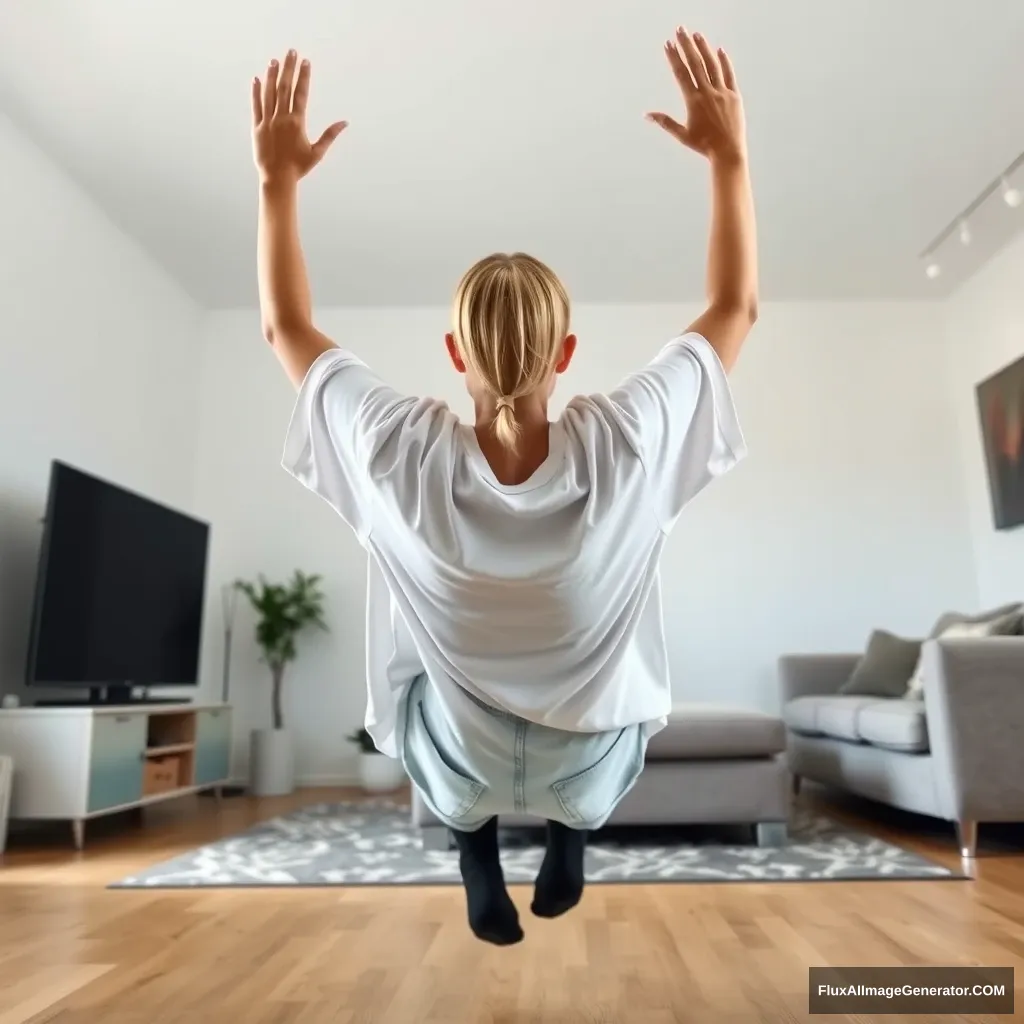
x,y
519,777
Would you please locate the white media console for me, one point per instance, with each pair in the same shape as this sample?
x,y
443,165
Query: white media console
x,y
76,763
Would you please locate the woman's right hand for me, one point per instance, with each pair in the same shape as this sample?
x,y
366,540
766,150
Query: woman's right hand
x,y
281,148
715,124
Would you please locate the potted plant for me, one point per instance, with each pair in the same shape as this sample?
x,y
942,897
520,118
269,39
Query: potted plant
x,y
377,773
283,611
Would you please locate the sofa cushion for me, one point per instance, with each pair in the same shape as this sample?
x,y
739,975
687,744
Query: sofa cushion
x,y
895,724
838,717
886,667
698,731
881,722
832,715
801,715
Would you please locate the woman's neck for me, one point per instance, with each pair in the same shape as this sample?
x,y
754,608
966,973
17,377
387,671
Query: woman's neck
x,y
512,468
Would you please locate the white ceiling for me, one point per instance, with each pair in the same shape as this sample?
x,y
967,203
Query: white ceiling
x,y
478,125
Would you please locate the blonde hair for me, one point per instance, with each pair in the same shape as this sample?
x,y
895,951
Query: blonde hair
x,y
510,317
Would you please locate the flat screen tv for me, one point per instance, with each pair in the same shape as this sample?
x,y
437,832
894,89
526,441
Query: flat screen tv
x,y
119,591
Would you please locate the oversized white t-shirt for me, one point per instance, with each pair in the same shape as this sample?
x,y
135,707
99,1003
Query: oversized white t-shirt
x,y
541,598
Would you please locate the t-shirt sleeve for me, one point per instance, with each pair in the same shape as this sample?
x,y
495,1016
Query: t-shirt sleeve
x,y
343,416
679,416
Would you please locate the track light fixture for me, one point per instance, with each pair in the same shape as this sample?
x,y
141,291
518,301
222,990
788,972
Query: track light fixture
x,y
1012,196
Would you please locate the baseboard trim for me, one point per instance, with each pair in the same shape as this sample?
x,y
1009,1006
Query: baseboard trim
x,y
326,781
309,781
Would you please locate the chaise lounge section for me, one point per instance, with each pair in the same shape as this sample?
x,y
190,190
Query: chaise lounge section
x,y
958,754
709,765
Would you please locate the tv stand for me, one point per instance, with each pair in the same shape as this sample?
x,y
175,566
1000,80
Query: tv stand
x,y
79,763
110,702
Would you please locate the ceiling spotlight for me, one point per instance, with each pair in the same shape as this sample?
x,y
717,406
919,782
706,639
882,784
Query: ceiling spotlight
x,y
965,233
1011,196
933,270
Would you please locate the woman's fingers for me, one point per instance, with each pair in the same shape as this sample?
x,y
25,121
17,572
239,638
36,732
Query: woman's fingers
x,y
692,57
301,96
728,72
679,68
710,60
286,84
322,144
257,102
270,91
673,127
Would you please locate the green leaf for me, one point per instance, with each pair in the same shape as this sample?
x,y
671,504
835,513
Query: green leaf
x,y
283,611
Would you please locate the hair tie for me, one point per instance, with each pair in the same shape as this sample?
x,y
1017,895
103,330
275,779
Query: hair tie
x,y
506,403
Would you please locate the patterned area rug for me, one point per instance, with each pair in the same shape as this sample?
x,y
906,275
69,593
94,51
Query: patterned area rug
x,y
376,844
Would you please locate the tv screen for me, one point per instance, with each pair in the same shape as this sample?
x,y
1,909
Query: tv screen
x,y
120,588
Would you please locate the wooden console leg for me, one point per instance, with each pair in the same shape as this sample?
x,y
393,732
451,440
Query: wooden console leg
x,y
78,833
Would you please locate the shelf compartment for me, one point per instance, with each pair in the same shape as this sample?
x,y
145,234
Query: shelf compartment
x,y
170,748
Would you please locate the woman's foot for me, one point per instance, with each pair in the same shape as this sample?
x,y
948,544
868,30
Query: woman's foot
x,y
560,879
492,914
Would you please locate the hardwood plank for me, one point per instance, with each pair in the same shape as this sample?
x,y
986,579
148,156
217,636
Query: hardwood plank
x,y
72,952
43,989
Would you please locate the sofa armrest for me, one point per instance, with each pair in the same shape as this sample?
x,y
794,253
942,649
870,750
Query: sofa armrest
x,y
813,675
974,702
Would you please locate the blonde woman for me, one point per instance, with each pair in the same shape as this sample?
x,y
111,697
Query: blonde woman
x,y
519,663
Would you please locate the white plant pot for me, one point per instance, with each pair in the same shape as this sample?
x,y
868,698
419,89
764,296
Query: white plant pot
x,y
380,774
271,763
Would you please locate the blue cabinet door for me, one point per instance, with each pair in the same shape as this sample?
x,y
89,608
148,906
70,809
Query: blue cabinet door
x,y
116,760
213,746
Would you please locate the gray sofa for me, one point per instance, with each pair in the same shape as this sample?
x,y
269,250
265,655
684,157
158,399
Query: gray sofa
x,y
958,754
709,765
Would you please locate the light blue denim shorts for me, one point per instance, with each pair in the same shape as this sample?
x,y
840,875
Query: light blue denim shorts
x,y
471,762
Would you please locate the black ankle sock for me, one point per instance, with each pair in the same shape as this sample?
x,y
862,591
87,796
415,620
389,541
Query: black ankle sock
x,y
560,879
492,914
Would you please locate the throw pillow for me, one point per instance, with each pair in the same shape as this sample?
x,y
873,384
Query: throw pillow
x,y
885,668
1007,624
1008,616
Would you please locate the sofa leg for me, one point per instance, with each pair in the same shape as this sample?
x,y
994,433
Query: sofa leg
x,y
967,837
436,837
771,833
795,782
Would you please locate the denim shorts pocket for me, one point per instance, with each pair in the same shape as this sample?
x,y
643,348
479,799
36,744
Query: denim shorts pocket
x,y
449,793
589,797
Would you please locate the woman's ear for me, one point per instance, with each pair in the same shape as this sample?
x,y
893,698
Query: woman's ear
x,y
453,353
568,351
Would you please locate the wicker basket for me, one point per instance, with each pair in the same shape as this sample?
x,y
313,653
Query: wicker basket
x,y
161,776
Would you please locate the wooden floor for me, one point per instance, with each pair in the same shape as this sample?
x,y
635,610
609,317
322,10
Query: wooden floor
x,y
73,953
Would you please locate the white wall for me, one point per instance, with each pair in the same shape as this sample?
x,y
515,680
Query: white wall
x,y
848,514
984,332
97,366
852,511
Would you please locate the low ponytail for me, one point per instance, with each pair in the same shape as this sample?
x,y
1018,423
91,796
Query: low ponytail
x,y
510,318
506,427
